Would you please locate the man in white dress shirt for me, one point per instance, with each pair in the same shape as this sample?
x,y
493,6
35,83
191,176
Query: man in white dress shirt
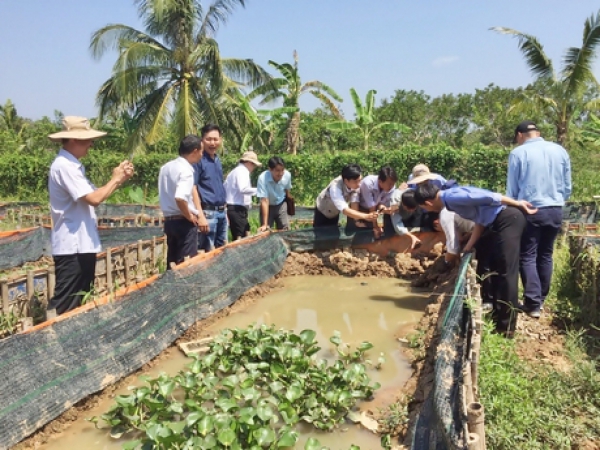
x,y
75,239
180,202
238,195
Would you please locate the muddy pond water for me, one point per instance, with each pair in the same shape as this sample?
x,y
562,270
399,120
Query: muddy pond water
x,y
378,310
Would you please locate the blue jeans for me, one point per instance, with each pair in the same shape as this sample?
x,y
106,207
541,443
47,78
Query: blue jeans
x,y
217,235
537,245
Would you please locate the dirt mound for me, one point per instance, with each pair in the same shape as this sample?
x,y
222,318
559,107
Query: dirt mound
x,y
358,263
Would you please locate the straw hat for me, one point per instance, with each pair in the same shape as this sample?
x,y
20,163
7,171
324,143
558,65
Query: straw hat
x,y
250,157
76,128
420,169
422,178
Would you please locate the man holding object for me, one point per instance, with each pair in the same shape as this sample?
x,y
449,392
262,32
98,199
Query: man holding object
x,y
75,238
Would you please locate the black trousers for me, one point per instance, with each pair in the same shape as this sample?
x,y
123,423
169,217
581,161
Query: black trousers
x,y
498,251
74,276
319,220
238,221
182,240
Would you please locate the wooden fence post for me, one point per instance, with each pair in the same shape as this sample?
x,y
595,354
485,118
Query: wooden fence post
x,y
109,280
4,290
51,283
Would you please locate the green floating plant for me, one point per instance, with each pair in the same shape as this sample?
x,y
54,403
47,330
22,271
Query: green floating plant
x,y
248,392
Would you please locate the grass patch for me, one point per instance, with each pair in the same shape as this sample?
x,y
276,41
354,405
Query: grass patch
x,y
532,405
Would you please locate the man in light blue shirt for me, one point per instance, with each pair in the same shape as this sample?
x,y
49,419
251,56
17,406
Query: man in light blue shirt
x,y
273,186
539,172
499,224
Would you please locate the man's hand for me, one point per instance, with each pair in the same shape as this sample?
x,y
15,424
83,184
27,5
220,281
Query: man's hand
x,y
414,241
202,224
122,172
263,228
527,207
371,217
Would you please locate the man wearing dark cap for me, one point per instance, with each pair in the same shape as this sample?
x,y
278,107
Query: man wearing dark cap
x,y
539,172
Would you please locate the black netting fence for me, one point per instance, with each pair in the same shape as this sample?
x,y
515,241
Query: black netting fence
x,y
31,245
22,247
43,373
581,212
442,421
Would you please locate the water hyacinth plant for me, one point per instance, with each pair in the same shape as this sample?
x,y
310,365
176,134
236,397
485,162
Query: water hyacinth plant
x,y
248,392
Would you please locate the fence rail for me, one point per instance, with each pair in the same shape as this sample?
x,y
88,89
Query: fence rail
x,y
115,268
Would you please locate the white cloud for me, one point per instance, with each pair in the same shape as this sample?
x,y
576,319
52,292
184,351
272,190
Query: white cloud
x,y
444,61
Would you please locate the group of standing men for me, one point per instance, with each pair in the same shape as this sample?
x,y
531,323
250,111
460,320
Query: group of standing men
x,y
510,233
199,205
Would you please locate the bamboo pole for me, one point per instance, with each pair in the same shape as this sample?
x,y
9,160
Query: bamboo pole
x,y
473,442
51,283
475,421
4,290
109,269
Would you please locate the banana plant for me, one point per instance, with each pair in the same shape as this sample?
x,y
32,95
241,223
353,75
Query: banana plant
x,y
365,120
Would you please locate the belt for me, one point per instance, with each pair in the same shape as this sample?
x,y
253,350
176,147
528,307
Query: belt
x,y
213,207
175,217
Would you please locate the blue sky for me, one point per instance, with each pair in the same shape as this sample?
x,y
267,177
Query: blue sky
x,y
435,46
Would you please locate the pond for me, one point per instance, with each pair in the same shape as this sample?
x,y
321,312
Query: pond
x,y
378,310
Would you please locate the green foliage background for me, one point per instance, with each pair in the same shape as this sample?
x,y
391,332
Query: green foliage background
x,y
25,176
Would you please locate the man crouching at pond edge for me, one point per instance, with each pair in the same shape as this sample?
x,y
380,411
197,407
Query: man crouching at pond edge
x,y
499,224
75,238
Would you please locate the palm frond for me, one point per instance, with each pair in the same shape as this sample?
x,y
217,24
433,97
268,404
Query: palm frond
x,y
539,64
217,14
578,70
328,104
370,102
358,106
342,126
323,87
111,36
287,70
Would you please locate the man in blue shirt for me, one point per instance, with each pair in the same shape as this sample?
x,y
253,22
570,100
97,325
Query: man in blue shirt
x,y
273,186
499,222
540,172
212,218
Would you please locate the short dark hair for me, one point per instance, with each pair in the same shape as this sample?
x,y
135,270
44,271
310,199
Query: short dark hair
x,y
189,143
425,192
351,172
275,161
408,199
208,128
387,172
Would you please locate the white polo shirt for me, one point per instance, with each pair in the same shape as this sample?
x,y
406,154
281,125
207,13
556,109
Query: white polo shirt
x,y
176,180
238,188
74,221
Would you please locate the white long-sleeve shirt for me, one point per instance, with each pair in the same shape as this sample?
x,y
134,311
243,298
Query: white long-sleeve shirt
x,y
176,181
238,188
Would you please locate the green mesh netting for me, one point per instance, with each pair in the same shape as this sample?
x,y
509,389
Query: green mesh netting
x,y
31,245
442,422
43,373
581,212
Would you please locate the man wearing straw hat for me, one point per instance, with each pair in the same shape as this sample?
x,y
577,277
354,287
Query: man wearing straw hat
x,y
238,194
75,239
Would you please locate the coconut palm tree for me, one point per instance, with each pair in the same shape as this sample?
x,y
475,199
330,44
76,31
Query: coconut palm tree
x,y
289,88
561,95
173,73
364,122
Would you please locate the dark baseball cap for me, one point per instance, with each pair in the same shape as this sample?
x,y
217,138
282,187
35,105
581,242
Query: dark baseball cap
x,y
524,127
